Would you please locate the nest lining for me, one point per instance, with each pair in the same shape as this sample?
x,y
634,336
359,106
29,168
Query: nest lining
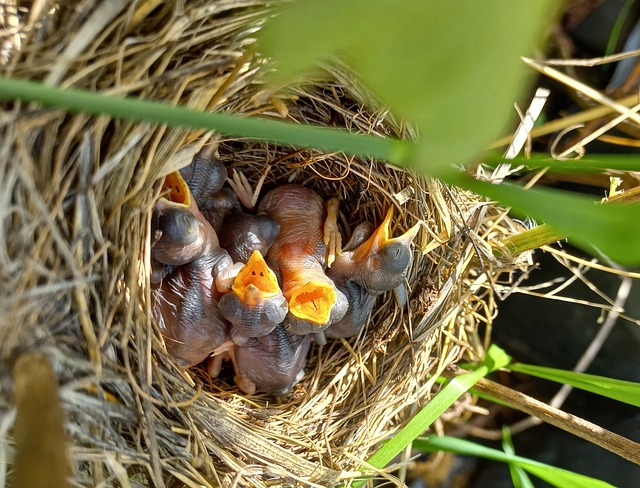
x,y
77,193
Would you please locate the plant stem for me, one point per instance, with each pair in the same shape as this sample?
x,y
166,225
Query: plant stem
x,y
327,139
529,239
543,235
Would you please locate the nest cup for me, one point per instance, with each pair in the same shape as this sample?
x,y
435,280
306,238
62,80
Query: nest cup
x,y
77,194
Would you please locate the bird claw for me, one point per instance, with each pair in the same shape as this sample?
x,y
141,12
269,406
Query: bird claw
x,y
243,189
228,351
332,236
245,384
214,366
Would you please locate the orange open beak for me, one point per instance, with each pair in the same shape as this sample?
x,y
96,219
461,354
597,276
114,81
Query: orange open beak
x,y
313,302
380,237
255,279
177,189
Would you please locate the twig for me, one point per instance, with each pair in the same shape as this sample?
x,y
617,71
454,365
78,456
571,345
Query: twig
x,y
593,61
584,429
582,88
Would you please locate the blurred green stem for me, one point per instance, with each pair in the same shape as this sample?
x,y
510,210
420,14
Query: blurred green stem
x,y
535,238
324,138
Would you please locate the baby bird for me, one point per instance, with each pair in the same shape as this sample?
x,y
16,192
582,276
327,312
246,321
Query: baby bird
x,y
243,233
367,268
255,305
184,303
180,236
299,257
272,363
206,176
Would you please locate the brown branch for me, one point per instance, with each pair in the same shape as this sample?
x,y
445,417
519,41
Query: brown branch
x,y
577,426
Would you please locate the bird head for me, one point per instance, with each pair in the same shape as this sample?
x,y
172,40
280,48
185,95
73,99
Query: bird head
x,y
178,231
383,260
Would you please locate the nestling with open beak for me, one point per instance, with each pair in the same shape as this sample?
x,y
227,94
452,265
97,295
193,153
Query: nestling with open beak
x,y
185,306
255,305
299,257
367,268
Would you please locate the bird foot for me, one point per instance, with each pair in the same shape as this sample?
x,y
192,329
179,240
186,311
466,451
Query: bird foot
x,y
332,236
222,352
214,366
244,383
243,189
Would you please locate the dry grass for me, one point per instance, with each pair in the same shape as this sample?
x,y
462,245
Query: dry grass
x,y
76,194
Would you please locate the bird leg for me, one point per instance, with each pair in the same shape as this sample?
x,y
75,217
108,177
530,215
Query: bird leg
x,y
247,385
214,366
332,236
222,352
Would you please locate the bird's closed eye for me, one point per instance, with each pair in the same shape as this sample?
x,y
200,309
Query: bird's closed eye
x,y
396,253
395,257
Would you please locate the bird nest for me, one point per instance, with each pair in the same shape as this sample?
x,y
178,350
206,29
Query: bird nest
x,y
77,194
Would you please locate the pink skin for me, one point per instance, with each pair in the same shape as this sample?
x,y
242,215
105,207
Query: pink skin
x,y
188,315
299,253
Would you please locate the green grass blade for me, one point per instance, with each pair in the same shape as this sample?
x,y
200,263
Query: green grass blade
x,y
607,230
620,390
327,139
591,163
612,42
496,358
518,475
552,475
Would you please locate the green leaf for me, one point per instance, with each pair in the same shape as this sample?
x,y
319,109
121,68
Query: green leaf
x,y
496,358
324,138
623,391
552,475
610,230
518,475
450,67
591,163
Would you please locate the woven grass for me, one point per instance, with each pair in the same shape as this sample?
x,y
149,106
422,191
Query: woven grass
x,y
76,196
